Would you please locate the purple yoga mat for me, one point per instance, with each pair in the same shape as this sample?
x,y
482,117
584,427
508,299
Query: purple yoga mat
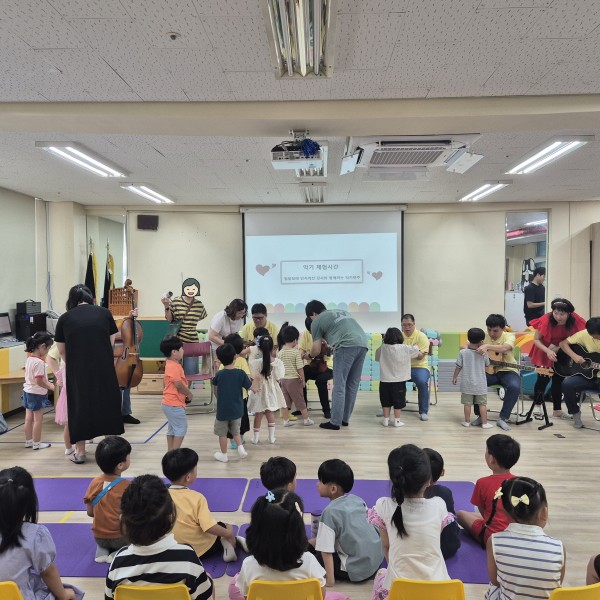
x,y
76,549
66,493
469,564
370,490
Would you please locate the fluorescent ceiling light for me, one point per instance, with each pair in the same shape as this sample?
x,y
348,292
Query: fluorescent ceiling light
x,y
300,34
82,157
551,151
142,189
485,190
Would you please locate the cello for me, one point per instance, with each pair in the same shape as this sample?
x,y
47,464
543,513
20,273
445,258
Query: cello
x,y
128,365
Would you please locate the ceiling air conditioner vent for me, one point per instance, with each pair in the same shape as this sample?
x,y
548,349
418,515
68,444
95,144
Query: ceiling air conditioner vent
x,y
405,154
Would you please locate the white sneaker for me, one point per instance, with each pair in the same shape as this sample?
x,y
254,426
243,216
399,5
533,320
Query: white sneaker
x,y
229,554
385,422
102,555
308,422
398,423
69,451
424,417
255,437
221,457
272,438
28,443
288,423
41,445
466,424
242,452
486,426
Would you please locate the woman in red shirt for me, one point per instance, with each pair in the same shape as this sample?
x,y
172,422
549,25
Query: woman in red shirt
x,y
550,330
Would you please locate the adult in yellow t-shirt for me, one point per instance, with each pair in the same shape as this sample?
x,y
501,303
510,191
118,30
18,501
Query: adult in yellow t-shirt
x,y
589,339
502,343
259,319
419,367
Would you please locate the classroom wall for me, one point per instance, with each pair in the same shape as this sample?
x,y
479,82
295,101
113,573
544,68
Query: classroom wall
x,y
201,244
18,254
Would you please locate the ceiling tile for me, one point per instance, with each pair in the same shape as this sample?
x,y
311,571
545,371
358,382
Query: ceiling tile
x,y
569,78
505,24
381,6
515,3
89,9
254,85
308,88
357,84
567,19
221,8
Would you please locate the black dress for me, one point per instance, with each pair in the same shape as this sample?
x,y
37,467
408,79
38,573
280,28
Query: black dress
x,y
93,395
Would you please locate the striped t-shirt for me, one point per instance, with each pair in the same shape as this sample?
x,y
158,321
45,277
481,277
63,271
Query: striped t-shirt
x,y
292,361
160,563
528,563
190,315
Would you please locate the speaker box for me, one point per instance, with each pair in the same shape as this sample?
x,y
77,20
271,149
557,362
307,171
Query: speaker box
x,y
147,222
27,325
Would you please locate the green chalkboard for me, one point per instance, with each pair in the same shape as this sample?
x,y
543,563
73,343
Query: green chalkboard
x,y
154,332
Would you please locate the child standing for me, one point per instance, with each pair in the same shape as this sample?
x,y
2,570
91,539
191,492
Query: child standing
x,y
410,524
522,560
240,363
61,417
394,358
346,544
103,496
154,557
27,551
35,389
473,383
501,454
176,393
266,372
277,543
195,524
228,385
292,383
450,538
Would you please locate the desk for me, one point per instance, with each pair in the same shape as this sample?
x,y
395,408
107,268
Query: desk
x,y
6,380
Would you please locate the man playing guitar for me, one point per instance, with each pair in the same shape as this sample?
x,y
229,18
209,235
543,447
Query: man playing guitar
x,y
589,340
499,341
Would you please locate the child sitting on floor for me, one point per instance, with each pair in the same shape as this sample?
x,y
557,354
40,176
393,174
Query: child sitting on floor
x,y
450,537
27,551
522,560
278,472
501,454
154,557
277,543
195,524
410,524
346,544
103,496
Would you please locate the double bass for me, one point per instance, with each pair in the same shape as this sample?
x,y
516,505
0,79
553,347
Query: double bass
x,y
128,364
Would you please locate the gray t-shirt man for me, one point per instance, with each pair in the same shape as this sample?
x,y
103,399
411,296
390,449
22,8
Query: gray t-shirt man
x,y
339,328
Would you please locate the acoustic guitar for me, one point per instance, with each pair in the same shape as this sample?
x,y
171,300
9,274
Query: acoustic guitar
x,y
566,366
496,364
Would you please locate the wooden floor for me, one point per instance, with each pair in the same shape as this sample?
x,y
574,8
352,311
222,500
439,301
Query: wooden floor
x,y
568,467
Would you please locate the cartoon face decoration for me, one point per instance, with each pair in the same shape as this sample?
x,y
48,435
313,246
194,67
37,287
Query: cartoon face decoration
x,y
190,288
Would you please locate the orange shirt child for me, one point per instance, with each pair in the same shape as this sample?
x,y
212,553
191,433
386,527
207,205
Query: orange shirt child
x,y
173,373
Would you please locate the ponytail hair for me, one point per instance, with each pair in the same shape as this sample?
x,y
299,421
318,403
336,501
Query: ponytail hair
x,y
410,470
79,293
19,504
277,536
522,498
265,345
287,334
38,339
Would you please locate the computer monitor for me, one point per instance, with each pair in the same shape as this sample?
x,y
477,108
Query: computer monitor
x,y
5,328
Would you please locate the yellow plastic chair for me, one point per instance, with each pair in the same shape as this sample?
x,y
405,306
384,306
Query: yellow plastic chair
x,y
10,591
586,592
175,591
411,589
303,589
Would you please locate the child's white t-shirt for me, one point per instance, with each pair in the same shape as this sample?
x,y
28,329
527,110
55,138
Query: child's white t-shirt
x,y
394,360
251,570
35,372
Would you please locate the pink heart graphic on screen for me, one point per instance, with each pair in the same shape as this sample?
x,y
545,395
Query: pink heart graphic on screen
x,y
262,269
377,275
